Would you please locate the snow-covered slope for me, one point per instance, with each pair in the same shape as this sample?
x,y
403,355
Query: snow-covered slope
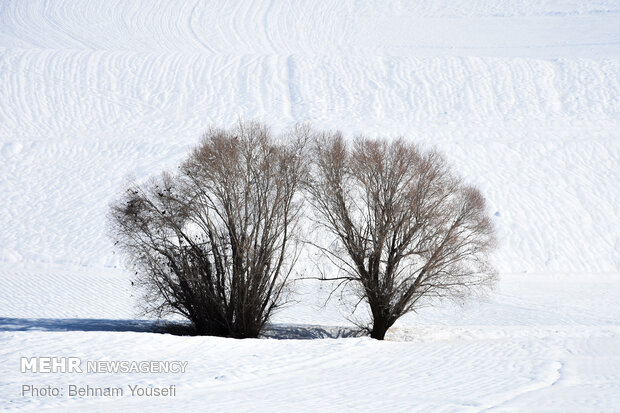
x,y
522,96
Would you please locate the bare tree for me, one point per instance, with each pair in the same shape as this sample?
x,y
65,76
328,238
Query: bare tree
x,y
216,241
405,229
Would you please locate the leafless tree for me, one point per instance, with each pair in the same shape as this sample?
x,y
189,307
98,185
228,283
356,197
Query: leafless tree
x,y
405,229
216,241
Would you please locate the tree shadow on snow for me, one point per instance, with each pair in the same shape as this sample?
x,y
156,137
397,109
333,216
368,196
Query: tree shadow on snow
x,y
273,331
308,332
91,324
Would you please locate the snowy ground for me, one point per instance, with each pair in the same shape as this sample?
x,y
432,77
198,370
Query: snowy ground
x,y
522,96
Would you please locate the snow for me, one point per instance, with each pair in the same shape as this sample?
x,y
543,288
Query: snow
x,y
523,97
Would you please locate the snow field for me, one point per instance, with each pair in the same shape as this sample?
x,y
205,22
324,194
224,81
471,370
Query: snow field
x,y
522,96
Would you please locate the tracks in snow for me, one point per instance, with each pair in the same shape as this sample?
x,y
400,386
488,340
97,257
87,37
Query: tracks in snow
x,y
74,123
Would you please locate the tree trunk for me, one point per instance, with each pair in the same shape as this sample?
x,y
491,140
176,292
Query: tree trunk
x,y
380,326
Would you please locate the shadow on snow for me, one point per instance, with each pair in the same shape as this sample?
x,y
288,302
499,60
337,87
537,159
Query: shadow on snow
x,y
274,331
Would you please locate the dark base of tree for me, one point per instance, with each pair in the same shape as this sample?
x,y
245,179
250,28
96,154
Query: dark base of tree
x,y
379,329
202,330
218,330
